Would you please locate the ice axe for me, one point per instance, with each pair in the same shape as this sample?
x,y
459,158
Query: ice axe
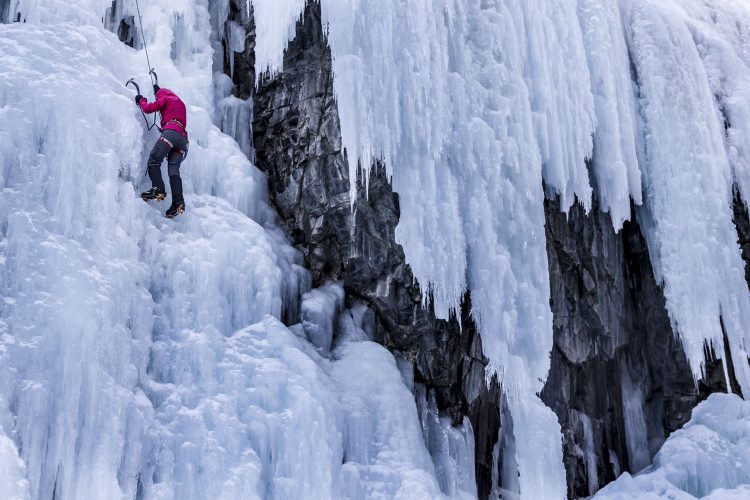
x,y
138,91
155,77
132,82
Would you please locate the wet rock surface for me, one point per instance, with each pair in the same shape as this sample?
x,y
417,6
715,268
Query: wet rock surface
x,y
610,322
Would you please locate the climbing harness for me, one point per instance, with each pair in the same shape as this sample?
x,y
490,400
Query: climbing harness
x,y
176,122
151,73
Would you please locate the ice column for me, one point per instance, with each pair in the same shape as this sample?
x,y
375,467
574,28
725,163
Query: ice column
x,y
454,118
617,138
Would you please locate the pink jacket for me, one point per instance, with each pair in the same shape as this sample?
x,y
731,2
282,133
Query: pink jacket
x,y
173,113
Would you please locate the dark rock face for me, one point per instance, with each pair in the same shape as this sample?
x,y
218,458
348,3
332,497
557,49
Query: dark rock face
x,y
742,221
611,329
240,12
298,144
124,26
615,354
297,140
4,11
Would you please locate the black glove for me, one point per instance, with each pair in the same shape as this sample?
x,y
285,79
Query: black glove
x,y
156,89
138,99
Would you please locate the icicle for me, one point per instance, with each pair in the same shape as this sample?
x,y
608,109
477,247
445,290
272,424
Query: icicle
x,y
687,216
616,170
275,23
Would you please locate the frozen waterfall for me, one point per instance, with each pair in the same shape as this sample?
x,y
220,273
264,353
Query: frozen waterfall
x,y
478,101
145,358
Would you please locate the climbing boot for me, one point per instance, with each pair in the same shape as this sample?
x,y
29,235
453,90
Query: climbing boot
x,y
154,194
177,208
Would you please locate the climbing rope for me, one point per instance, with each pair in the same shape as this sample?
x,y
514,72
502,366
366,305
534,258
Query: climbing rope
x,y
151,73
145,45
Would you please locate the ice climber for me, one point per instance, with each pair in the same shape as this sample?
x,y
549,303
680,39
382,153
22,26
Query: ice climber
x,y
172,144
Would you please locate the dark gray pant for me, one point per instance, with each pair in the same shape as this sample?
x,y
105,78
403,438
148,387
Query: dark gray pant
x,y
173,146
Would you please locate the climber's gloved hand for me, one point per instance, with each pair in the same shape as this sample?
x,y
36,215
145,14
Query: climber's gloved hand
x,y
156,89
138,99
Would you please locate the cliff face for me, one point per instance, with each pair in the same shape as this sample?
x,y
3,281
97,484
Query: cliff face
x,y
742,221
619,380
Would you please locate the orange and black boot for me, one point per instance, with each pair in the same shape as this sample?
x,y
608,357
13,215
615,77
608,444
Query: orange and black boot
x,y
154,194
178,202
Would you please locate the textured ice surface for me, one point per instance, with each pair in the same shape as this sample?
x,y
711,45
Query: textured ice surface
x,y
451,447
379,422
617,140
14,485
636,430
274,26
687,214
319,312
98,285
590,453
143,357
128,341
709,458
388,454
473,103
720,32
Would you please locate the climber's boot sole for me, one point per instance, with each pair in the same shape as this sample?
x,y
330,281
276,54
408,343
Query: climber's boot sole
x,y
180,211
158,198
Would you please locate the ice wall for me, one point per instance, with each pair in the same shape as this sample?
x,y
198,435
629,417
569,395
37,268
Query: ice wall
x,y
720,35
473,104
98,287
456,122
143,357
617,139
687,214
15,486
